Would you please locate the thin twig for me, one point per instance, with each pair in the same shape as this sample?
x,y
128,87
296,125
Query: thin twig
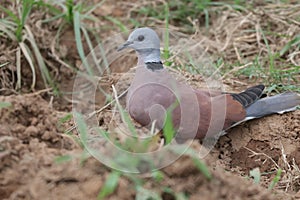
x,y
262,154
100,110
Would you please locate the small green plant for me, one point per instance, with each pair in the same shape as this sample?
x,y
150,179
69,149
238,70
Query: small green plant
x,y
255,173
75,15
64,119
168,129
144,194
63,159
275,179
110,184
15,28
295,42
183,12
271,69
179,12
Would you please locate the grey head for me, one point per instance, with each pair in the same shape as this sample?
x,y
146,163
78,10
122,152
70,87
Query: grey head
x,y
142,38
145,42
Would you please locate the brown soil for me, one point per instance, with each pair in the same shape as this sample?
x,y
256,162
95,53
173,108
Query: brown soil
x,y
32,137
31,140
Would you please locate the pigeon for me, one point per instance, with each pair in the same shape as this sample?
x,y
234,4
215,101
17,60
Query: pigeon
x,y
194,113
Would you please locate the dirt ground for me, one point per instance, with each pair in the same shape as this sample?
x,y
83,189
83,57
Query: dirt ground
x,y
32,137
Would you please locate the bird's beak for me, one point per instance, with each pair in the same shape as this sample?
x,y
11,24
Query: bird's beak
x,y
124,46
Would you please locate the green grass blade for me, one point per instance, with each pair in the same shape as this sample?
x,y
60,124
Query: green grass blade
x,y
26,9
117,22
103,54
18,65
79,45
53,18
275,179
90,45
70,11
202,167
43,68
255,173
166,52
124,115
8,30
92,9
81,127
17,22
63,159
206,18
293,42
271,56
65,119
4,64
51,8
168,129
198,163
11,15
27,54
110,185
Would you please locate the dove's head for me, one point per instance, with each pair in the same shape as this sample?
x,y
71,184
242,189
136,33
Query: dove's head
x,y
145,42
142,38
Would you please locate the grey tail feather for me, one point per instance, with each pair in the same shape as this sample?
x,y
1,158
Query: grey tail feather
x,y
279,103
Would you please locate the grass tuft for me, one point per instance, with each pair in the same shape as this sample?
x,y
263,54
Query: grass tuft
x,y
15,28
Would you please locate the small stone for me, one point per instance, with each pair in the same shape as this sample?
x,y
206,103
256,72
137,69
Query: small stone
x,y
31,130
47,135
34,121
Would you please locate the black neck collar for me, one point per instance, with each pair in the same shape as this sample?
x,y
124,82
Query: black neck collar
x,y
154,65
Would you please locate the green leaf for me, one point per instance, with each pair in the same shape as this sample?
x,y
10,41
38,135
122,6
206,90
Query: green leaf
x,y
255,173
11,14
26,8
291,43
70,10
144,194
117,22
110,184
66,118
81,127
191,153
125,116
17,22
275,179
27,53
79,45
41,63
7,29
168,129
166,52
202,167
158,175
62,159
5,105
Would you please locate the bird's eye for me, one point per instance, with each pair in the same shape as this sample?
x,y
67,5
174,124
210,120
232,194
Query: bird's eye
x,y
141,38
